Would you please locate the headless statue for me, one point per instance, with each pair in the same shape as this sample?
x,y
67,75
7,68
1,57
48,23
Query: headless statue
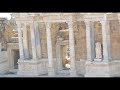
x,y
98,50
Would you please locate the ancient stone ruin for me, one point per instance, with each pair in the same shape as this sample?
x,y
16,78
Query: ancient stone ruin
x,y
61,44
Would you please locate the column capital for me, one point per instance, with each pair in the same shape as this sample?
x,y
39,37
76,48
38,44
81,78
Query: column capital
x,y
25,23
70,24
48,24
18,24
29,22
70,19
87,22
102,21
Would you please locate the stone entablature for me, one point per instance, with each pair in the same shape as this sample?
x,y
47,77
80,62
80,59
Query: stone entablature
x,y
54,17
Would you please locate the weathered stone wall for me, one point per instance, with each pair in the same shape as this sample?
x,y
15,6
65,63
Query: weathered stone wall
x,y
115,39
43,39
98,32
55,27
80,40
33,68
4,64
54,31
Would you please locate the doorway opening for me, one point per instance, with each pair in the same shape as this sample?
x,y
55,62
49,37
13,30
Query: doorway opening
x,y
16,57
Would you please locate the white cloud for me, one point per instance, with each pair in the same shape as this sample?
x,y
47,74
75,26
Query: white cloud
x,y
6,15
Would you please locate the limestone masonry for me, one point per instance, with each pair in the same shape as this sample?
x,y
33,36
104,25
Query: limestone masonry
x,y
60,44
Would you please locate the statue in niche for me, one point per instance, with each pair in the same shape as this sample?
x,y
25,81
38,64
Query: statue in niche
x,y
59,36
67,59
98,49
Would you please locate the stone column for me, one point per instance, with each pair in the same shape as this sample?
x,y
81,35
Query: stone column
x,y
89,41
58,55
72,47
92,38
106,40
20,39
51,69
34,50
25,42
37,41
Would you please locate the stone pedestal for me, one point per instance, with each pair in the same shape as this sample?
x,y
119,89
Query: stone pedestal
x,y
97,59
103,69
51,72
80,67
32,67
97,69
114,68
4,64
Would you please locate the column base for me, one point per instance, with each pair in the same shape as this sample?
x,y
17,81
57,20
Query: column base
x,y
97,69
32,68
80,67
51,72
114,68
98,60
73,73
4,67
106,68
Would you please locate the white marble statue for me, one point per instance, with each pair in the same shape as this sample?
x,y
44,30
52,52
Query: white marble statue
x,y
98,49
67,66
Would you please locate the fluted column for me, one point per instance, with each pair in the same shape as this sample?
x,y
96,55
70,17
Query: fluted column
x,y
93,39
58,55
25,42
72,47
106,40
51,70
20,39
89,41
34,50
37,41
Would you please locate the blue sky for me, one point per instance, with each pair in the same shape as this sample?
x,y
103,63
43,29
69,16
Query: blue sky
x,y
7,15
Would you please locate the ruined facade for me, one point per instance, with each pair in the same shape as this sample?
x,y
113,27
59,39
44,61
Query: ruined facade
x,y
9,49
69,44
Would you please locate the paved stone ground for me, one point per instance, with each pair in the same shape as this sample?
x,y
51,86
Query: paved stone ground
x,y
14,74
57,76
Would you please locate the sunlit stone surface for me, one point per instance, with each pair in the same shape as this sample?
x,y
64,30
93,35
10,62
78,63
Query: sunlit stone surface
x,y
60,44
